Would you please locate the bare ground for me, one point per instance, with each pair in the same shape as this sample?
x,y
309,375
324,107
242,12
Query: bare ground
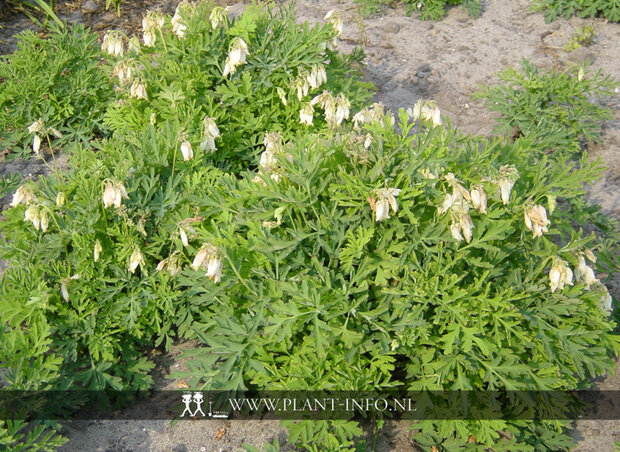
x,y
407,59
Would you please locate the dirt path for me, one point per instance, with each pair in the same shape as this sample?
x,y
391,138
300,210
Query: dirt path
x,y
407,59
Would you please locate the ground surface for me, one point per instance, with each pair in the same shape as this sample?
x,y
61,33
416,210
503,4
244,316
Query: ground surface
x,y
407,59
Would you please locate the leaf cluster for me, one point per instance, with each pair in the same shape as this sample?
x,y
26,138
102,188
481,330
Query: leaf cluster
x,y
609,9
57,80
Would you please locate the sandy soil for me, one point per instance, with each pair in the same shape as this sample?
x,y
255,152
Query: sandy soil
x,y
407,59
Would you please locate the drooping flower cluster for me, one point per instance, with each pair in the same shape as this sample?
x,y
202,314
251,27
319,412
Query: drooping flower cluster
x,y
536,220
458,204
376,112
218,16
138,90
124,72
208,258
268,163
210,133
336,108
236,56
171,264
583,273
113,44
426,111
38,216
334,18
560,275
306,114
178,23
23,195
382,200
505,180
186,230
113,194
38,127
151,24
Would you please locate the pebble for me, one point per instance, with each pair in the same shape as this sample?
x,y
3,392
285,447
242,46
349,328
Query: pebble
x,y
472,59
460,15
89,6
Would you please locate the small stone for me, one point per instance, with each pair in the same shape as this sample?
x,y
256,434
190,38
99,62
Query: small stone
x,y
460,15
472,59
180,448
391,27
503,62
89,6
462,49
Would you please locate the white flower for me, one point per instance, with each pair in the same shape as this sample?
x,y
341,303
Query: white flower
x,y
427,111
32,214
382,209
208,257
560,275
113,44
536,220
123,72
467,226
306,115
335,20
149,39
446,205
218,16
152,22
178,27
37,127
211,132
455,230
282,95
214,269
385,200
63,290
583,273
186,150
43,220
113,194
479,199
135,260
138,90
97,250
23,195
236,56
606,301
342,108
371,114
505,180
171,264
61,199
36,144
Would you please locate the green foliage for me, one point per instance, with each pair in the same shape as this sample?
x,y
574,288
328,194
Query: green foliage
x,y
364,253
9,183
57,80
609,9
583,36
436,9
184,81
19,436
557,107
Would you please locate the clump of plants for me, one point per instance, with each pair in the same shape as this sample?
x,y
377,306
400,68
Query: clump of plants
x,y
583,36
582,8
249,197
436,9
58,82
559,107
94,252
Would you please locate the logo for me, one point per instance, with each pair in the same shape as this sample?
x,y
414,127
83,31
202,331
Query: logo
x,y
197,399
